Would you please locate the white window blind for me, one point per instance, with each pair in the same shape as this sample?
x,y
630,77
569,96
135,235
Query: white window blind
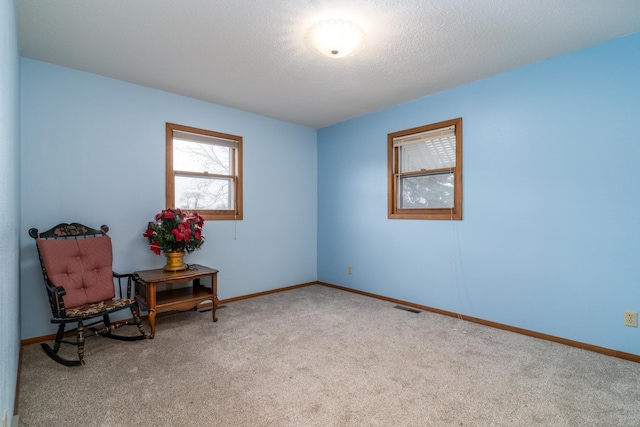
x,y
434,149
203,139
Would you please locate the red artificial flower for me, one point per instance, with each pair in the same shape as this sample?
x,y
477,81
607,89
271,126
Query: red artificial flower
x,y
155,248
194,217
182,232
148,233
167,214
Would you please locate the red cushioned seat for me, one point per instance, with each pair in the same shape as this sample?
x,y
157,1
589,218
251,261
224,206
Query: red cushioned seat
x,y
81,266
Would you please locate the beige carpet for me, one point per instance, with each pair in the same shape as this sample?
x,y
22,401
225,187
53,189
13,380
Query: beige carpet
x,y
318,356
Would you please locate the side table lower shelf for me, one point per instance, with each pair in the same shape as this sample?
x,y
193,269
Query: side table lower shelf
x,y
153,300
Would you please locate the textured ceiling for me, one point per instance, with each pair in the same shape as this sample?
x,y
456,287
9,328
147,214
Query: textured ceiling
x,y
251,55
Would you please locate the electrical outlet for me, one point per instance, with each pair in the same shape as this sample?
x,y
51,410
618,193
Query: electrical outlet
x,y
631,318
350,270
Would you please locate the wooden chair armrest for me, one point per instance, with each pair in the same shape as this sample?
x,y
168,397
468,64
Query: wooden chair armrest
x,y
55,295
121,275
58,290
129,278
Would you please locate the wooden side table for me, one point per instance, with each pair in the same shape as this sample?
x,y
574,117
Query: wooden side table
x,y
178,299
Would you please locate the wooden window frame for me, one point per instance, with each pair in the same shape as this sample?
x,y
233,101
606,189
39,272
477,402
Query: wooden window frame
x,y
394,212
236,176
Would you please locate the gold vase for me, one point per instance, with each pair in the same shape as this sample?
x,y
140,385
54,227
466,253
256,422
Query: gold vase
x,y
175,261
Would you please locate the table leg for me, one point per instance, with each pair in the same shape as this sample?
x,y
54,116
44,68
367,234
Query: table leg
x,y
152,323
214,286
151,298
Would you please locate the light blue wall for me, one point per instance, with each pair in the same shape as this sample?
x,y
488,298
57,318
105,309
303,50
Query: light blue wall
x,y
550,239
9,206
93,151
550,236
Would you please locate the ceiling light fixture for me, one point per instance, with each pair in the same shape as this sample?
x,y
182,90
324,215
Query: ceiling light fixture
x,y
335,38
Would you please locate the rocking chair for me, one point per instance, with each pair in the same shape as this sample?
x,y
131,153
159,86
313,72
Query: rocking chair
x,y
76,264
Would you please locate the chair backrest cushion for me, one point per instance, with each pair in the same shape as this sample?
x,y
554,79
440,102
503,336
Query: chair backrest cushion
x,y
82,266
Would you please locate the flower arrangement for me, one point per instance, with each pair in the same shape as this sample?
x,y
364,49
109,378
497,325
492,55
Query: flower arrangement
x,y
174,231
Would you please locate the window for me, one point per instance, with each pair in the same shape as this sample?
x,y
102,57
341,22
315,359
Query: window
x,y
204,172
425,172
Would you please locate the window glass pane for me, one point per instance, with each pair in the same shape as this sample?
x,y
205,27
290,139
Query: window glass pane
x,y
191,156
426,155
204,193
426,191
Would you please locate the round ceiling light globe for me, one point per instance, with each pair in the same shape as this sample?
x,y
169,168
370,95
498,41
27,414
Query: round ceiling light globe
x,y
335,38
